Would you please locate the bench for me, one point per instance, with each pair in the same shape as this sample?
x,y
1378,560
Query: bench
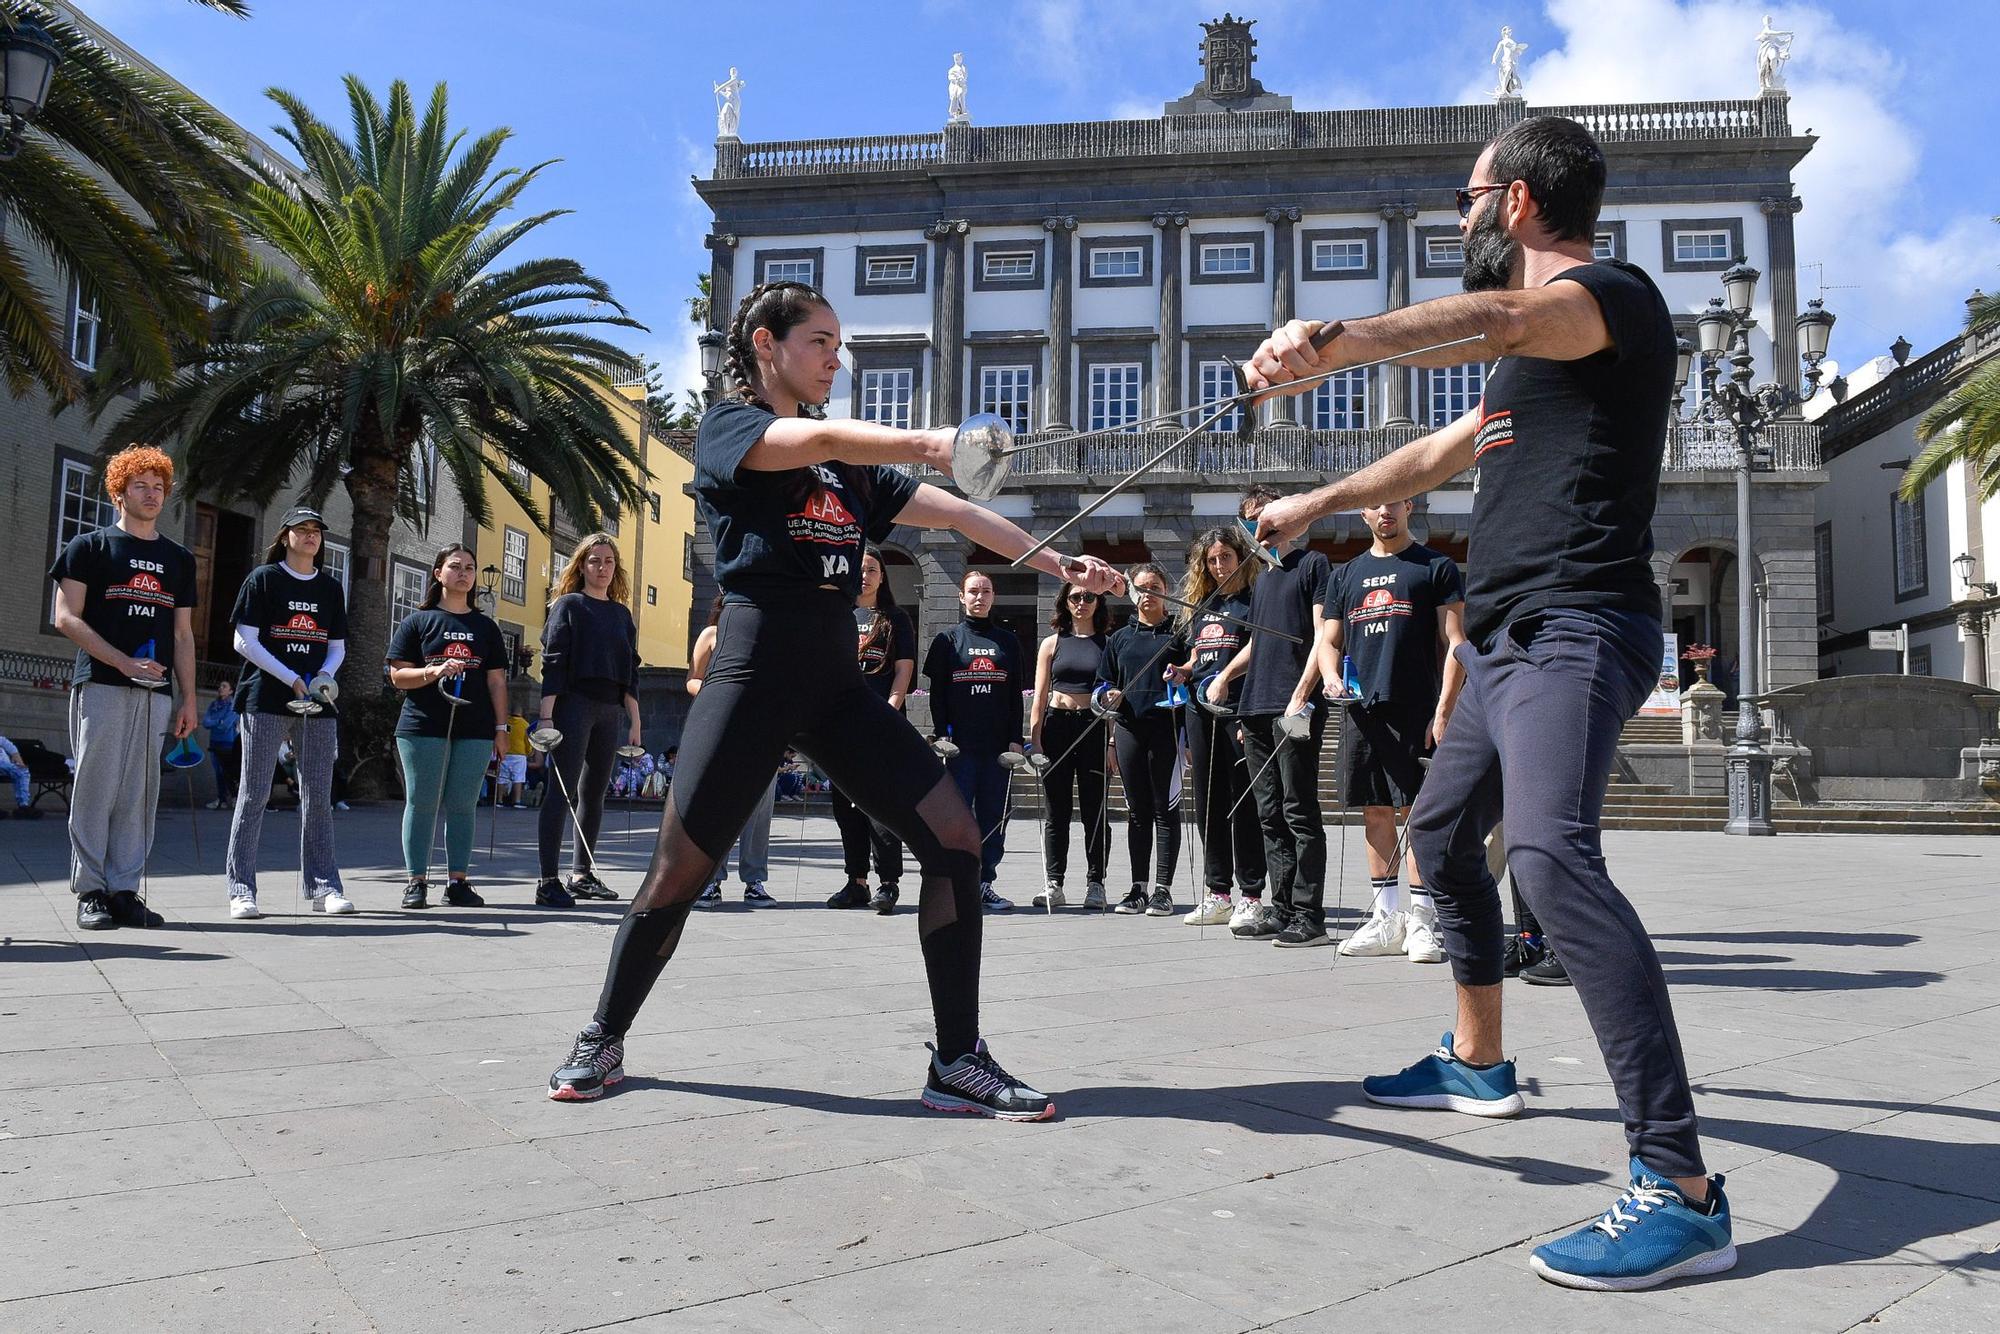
x,y
48,771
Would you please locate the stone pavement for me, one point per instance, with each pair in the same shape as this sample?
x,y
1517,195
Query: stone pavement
x,y
304,1124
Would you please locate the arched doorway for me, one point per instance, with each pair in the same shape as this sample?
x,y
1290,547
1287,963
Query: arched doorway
x,y
1702,596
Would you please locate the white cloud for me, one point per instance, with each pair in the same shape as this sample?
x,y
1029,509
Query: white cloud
x,y
1893,269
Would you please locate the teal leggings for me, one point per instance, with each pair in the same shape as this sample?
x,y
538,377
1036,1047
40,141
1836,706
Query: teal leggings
x,y
423,763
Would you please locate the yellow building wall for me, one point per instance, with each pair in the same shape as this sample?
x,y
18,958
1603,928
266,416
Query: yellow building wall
x,y
527,614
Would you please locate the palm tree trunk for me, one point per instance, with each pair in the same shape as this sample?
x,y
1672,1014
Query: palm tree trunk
x,y
366,730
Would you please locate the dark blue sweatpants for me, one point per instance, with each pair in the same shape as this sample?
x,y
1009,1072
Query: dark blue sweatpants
x,y
1535,733
983,783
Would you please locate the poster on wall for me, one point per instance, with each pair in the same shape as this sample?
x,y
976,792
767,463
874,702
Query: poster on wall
x,y
1665,701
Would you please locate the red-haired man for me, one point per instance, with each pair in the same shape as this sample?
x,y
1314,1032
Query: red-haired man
x,y
123,594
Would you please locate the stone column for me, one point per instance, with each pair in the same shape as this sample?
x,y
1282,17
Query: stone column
x,y
721,279
1167,378
948,321
1062,245
1284,293
1972,625
1778,214
1396,264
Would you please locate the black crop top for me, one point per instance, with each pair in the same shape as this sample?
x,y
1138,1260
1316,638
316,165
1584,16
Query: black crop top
x,y
1074,668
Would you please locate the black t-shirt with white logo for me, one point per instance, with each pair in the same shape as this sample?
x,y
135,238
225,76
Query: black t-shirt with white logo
x,y
974,672
438,635
778,534
296,620
1387,607
1568,458
1283,599
131,589
1212,640
881,641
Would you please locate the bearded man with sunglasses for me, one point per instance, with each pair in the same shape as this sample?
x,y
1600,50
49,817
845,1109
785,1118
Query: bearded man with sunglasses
x,y
1563,623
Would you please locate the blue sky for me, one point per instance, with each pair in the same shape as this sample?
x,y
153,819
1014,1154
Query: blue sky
x,y
1899,193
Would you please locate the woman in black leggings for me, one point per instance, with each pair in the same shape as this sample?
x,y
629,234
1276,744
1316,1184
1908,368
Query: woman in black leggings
x,y
590,682
1220,570
1146,734
886,645
790,501
1062,727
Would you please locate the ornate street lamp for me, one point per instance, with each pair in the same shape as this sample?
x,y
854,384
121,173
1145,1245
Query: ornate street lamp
x,y
1724,330
28,59
489,579
711,342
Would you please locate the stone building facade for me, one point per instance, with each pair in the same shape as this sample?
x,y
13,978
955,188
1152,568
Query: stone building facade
x,y
1077,275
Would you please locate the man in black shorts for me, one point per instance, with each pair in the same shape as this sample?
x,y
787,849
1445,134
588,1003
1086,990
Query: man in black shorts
x,y
1563,630
1395,611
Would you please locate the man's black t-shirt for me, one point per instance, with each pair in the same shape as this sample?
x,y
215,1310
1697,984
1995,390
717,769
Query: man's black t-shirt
x,y
438,635
881,646
974,671
1213,640
296,620
1387,607
1282,599
779,534
1135,662
131,588
1568,458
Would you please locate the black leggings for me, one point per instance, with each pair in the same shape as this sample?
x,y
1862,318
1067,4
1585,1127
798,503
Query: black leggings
x,y
861,836
1232,846
1149,760
786,675
592,731
1079,764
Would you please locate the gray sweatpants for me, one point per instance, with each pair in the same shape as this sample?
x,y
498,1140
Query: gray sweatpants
x,y
314,741
115,733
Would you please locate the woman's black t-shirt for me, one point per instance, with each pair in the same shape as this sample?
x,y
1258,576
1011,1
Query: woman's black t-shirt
x,y
438,635
590,646
1213,640
1135,664
879,647
974,671
780,534
296,620
1564,517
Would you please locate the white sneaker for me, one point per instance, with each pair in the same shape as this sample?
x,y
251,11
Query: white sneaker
x,y
1381,935
1051,898
1215,910
1244,909
1420,937
334,902
243,907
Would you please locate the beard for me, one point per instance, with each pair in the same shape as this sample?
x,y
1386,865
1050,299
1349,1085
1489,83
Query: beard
x,y
1490,253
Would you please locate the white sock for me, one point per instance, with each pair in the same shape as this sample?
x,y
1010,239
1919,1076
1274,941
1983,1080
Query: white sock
x,y
1420,901
1388,894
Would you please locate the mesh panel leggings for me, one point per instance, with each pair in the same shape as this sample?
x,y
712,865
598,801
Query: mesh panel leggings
x,y
1075,763
1149,760
781,676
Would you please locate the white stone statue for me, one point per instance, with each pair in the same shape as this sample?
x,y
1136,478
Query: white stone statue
x,y
1507,55
955,81
728,105
1774,48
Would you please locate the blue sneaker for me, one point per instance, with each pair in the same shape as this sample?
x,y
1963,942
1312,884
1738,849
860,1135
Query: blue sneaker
x,y
1651,1235
1443,1082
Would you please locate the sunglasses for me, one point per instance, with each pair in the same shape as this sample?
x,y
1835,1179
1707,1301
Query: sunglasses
x,y
1467,197
1083,597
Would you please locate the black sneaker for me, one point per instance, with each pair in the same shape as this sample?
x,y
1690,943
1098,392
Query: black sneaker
x,y
755,894
128,909
417,894
461,894
1302,932
1522,952
595,1063
711,894
975,1083
586,885
851,895
885,898
1548,972
93,912
1161,904
550,894
1134,903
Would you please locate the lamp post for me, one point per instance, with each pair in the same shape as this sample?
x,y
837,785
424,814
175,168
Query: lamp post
x,y
1974,611
28,59
489,580
1724,329
711,343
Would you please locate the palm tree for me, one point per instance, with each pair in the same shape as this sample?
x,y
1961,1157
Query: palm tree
x,y
123,179
1974,408
396,347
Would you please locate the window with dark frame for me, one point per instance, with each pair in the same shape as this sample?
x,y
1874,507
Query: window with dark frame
x,y
1340,403
86,324
888,395
1909,542
1114,394
1216,381
1228,257
406,590
1823,568
81,505
514,565
1340,255
335,560
1009,392
1453,391
1118,262
1008,264
891,269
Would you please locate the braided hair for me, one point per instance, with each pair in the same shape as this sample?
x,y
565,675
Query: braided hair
x,y
779,307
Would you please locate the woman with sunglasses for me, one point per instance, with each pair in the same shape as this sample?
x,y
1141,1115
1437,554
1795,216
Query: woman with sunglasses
x,y
1146,732
1062,727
